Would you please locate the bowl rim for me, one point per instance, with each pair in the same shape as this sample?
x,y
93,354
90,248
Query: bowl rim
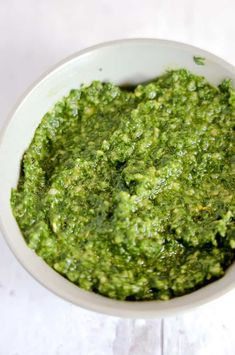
x,y
112,310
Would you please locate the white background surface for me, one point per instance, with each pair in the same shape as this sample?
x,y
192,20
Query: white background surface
x,y
34,35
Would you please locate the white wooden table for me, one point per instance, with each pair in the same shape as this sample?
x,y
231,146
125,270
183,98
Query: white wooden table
x,y
33,36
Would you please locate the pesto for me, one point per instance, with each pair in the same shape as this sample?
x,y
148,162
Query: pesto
x,y
130,194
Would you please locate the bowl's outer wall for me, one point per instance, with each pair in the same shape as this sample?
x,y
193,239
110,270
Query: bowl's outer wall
x,y
120,62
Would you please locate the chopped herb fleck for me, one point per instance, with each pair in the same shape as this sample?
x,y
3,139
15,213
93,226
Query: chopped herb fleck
x,y
199,60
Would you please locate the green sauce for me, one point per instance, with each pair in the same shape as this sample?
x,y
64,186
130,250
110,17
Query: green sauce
x,y
130,194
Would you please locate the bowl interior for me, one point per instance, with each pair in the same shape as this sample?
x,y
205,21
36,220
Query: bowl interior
x,y
120,62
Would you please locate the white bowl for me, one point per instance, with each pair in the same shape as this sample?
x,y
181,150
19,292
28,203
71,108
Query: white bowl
x,y
121,62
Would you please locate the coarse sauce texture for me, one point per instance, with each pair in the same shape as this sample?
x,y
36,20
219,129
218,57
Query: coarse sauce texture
x,y
130,194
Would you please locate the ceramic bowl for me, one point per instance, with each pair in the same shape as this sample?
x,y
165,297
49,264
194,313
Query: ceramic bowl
x,y
121,62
